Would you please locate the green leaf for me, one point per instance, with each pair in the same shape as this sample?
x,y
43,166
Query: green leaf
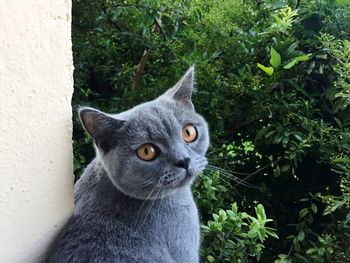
x,y
303,212
253,233
338,121
303,57
268,70
261,233
260,211
291,49
297,137
285,167
277,171
342,2
314,208
296,60
211,258
290,64
321,251
270,231
301,235
275,59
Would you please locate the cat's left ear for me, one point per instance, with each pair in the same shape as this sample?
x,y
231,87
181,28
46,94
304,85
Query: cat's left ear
x,y
183,89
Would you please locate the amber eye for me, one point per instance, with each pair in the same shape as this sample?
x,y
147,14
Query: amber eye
x,y
147,152
189,133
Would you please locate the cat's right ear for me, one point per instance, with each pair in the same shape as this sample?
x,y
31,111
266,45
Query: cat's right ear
x,y
100,126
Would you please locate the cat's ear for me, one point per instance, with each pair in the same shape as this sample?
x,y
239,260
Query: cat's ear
x,y
183,89
100,126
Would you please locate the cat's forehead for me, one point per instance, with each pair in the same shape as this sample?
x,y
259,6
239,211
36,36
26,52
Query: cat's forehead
x,y
157,111
153,115
157,121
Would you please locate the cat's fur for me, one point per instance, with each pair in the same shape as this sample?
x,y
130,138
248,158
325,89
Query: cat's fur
x,y
130,210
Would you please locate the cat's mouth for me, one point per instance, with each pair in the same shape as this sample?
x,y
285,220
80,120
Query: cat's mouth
x,y
192,173
182,179
173,180
187,179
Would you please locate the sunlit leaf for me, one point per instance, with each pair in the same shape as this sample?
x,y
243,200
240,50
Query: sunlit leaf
x,y
296,60
275,59
290,64
268,70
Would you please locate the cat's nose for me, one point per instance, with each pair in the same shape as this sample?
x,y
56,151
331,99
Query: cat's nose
x,y
183,163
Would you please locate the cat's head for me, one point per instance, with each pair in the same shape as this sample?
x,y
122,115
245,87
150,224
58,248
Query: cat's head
x,y
155,148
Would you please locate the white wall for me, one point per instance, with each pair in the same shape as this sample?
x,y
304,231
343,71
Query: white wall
x,y
36,85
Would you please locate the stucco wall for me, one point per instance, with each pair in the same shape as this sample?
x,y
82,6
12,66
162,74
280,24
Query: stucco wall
x,y
36,195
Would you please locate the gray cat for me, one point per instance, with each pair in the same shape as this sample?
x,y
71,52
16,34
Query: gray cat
x,y
134,203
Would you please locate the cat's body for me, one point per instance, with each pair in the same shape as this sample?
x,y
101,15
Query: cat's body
x,y
148,230
131,210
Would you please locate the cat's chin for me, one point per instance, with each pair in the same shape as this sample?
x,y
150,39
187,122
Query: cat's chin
x,y
157,192
162,191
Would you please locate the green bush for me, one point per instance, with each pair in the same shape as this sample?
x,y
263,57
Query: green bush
x,y
235,236
273,82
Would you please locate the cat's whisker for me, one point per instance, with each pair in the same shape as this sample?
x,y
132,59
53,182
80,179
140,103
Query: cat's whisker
x,y
236,180
230,176
230,173
208,173
148,210
214,151
160,205
145,201
146,183
227,182
218,158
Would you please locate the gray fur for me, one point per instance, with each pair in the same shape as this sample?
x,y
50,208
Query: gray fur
x,y
130,210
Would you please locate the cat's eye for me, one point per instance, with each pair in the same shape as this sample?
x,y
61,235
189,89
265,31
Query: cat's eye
x,y
189,133
147,152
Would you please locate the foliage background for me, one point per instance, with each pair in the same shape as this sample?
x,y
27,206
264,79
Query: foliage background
x,y
273,82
